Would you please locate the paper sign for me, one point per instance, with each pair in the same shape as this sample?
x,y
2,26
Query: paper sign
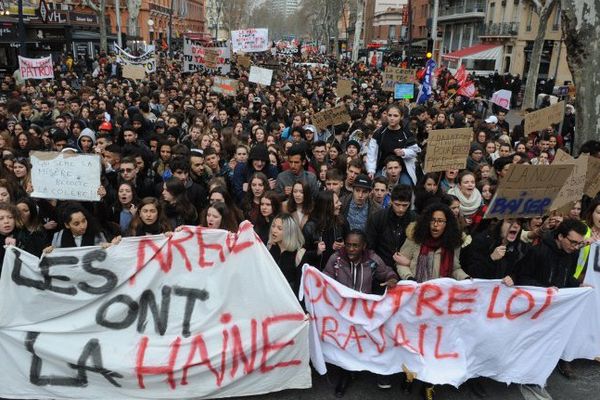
x,y
542,119
344,88
135,72
501,98
404,91
211,58
331,116
592,180
448,149
250,40
36,68
528,190
194,57
262,76
244,61
61,176
393,75
443,331
227,87
572,190
203,314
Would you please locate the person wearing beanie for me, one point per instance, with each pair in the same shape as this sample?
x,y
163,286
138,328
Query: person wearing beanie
x,y
86,141
258,161
475,157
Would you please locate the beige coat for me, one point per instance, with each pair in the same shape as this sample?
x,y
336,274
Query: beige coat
x,y
411,250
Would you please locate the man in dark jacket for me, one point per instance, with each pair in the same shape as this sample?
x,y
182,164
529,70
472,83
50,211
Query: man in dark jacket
x,y
552,263
386,229
359,207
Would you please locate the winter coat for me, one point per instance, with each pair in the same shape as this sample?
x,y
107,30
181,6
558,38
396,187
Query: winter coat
x,y
313,235
386,232
479,264
411,250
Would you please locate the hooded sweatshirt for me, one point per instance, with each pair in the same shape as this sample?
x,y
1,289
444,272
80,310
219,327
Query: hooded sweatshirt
x,y
87,132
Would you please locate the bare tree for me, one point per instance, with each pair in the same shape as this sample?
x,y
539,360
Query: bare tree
x,y
234,12
99,7
133,12
543,9
581,28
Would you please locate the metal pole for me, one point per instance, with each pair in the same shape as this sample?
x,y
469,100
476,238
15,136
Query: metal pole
x,y
170,30
409,52
434,21
22,33
118,17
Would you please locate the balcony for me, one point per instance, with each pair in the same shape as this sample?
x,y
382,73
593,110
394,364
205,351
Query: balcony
x,y
503,29
461,11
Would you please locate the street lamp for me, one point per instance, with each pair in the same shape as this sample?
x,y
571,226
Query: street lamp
x,y
151,30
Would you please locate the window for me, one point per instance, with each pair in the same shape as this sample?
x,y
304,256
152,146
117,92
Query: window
x,y
529,17
392,32
491,13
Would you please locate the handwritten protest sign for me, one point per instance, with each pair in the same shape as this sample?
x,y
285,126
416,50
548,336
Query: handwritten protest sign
x,y
435,329
211,58
262,76
542,119
135,72
331,116
203,314
344,88
447,149
147,60
572,190
393,75
592,180
528,190
36,68
501,98
61,176
244,61
194,57
250,40
225,86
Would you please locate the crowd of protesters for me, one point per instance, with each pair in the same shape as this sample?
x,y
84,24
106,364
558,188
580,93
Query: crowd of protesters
x,y
351,199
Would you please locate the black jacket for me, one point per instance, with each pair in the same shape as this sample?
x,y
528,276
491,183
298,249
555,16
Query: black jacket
x,y
313,235
478,263
386,233
546,265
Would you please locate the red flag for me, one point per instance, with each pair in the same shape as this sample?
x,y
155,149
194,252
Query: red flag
x,y
466,87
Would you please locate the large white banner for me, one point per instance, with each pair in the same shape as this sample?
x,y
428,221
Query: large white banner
x,y
64,176
36,68
203,314
250,40
444,331
193,57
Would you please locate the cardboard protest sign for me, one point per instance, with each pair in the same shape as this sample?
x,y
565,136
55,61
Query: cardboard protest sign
x,y
135,72
542,119
501,98
250,40
194,56
204,314
225,86
575,183
36,68
244,61
62,176
331,116
393,75
211,58
592,180
262,76
528,190
435,329
344,88
448,149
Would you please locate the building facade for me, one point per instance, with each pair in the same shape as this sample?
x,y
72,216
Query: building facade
x,y
285,7
460,22
385,21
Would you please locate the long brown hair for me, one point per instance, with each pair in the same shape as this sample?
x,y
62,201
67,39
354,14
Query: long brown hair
x,y
163,222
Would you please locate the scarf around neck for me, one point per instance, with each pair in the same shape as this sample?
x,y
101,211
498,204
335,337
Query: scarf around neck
x,y
468,206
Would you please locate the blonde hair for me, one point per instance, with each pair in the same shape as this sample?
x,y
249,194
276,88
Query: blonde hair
x,y
293,239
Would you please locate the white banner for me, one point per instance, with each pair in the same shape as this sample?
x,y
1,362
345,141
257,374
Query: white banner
x,y
147,60
36,68
250,40
501,98
204,314
63,176
260,75
444,331
193,57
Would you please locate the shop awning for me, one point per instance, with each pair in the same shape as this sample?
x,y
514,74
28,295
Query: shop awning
x,y
477,52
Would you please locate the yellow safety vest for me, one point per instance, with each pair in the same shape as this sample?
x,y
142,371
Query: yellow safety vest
x,y
583,256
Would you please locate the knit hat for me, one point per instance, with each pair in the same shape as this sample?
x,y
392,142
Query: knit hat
x,y
259,152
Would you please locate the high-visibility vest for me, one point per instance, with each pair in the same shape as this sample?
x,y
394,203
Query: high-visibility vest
x,y
583,256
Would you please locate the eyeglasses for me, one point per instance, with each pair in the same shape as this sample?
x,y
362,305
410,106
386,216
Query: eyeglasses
x,y
126,170
438,221
575,243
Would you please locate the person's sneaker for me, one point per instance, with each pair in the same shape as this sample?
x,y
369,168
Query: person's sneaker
x,y
428,393
566,369
384,382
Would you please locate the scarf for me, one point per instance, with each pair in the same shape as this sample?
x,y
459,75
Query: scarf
x,y
143,229
67,239
425,267
468,206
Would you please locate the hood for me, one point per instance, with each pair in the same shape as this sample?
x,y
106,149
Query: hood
x,y
89,133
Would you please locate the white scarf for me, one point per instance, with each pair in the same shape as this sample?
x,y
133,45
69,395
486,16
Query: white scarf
x,y
468,206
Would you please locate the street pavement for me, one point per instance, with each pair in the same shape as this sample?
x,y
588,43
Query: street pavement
x,y
585,387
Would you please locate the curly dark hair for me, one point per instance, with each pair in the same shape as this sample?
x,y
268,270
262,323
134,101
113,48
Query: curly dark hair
x,y
451,238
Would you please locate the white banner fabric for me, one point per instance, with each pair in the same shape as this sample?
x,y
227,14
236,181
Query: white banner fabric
x,y
36,68
202,314
444,331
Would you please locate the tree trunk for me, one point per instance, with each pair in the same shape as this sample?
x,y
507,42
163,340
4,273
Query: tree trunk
x,y
360,6
102,17
536,54
581,29
133,11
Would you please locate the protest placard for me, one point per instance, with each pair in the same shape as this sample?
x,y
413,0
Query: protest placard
x,y
332,116
147,60
262,76
135,72
528,190
225,86
194,57
501,98
63,176
244,61
393,75
435,329
404,91
592,180
250,40
211,58
572,190
448,149
205,313
344,88
36,68
542,119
